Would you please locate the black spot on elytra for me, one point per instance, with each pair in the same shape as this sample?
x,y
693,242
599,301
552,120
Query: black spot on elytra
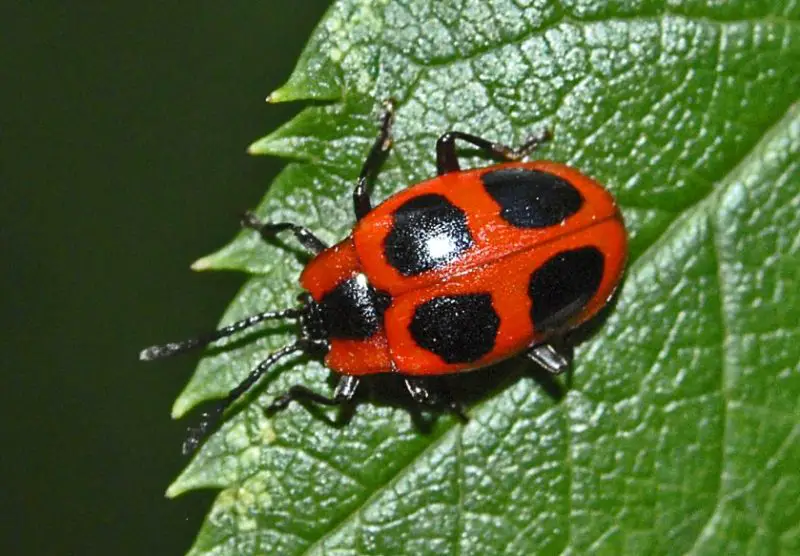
x,y
428,232
530,198
457,328
563,285
353,309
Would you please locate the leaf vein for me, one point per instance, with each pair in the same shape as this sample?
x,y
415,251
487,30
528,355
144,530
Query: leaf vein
x,y
379,489
709,526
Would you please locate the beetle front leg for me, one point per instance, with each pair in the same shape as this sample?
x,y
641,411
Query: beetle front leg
x,y
361,202
269,230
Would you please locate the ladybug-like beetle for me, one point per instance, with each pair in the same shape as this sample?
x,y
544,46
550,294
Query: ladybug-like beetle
x,y
452,274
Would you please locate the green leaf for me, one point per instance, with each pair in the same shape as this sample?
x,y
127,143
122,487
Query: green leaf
x,y
679,433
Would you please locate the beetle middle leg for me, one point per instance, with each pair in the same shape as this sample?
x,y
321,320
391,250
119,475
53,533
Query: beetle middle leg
x,y
447,159
422,394
344,392
361,202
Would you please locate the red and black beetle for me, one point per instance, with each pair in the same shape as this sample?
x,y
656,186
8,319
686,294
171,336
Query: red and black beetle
x,y
452,274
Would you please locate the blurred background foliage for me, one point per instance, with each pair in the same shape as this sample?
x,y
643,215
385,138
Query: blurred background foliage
x,y
124,128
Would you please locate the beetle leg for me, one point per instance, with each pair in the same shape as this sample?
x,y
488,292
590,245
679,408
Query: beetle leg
x,y
344,392
547,357
423,395
447,160
269,230
377,153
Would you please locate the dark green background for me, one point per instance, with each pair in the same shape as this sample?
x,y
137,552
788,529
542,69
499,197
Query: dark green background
x,y
122,159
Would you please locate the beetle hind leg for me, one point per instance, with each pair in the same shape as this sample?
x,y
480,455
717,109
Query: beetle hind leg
x,y
447,159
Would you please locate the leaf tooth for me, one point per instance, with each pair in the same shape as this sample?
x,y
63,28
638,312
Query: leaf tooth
x,y
274,144
295,138
312,79
218,260
186,401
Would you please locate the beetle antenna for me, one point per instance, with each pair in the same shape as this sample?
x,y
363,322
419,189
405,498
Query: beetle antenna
x,y
210,419
174,348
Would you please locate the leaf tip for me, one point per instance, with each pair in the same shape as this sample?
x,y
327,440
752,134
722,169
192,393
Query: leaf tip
x,y
189,479
259,147
203,263
284,93
182,405
175,489
275,144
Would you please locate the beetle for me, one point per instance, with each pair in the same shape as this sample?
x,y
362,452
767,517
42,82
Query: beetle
x,y
452,274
